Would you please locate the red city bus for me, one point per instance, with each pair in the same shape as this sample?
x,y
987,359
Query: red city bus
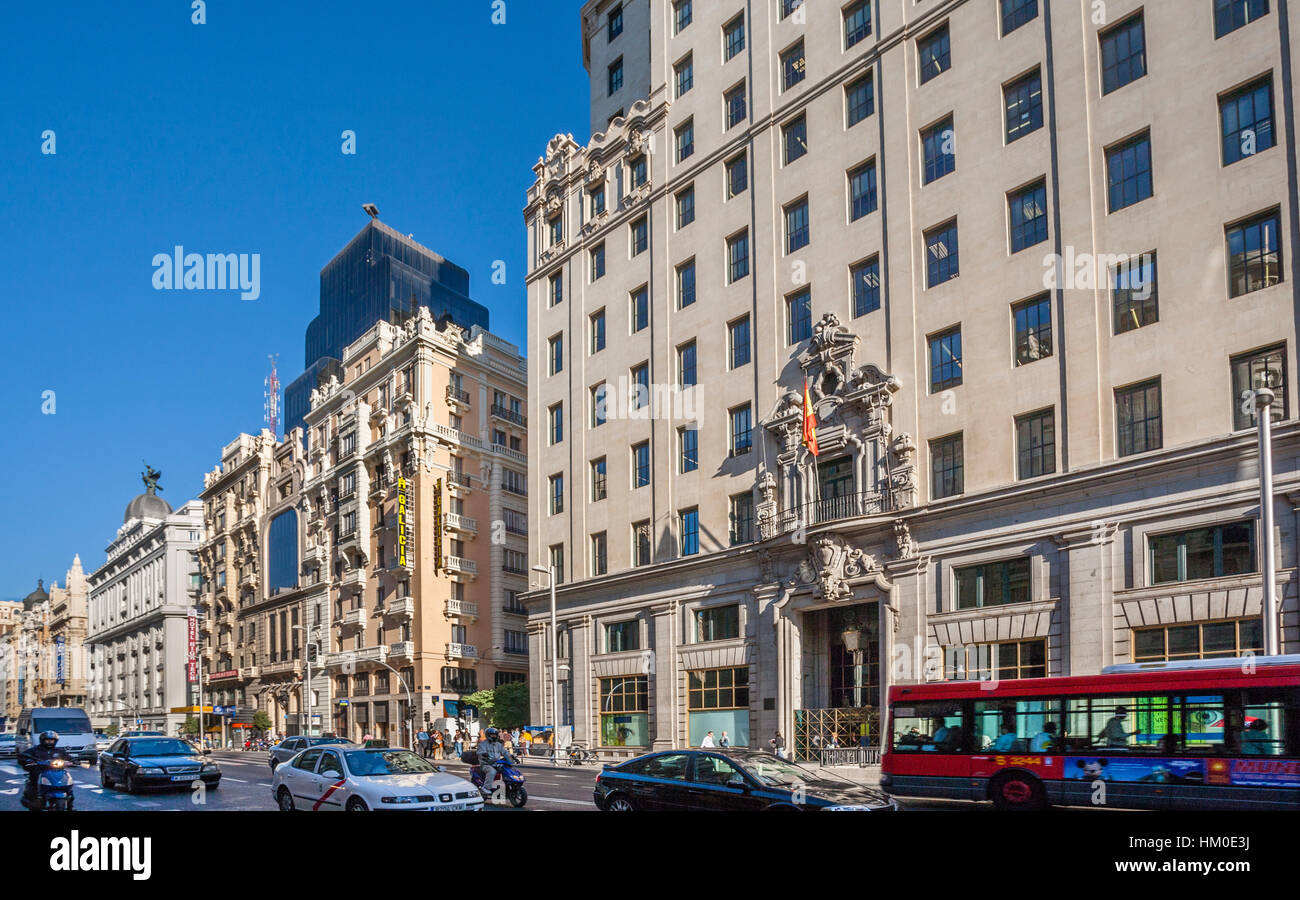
x,y
1200,734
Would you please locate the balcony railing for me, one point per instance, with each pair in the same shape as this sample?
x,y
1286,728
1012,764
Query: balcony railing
x,y
509,415
462,651
831,509
453,393
401,608
516,455
460,564
353,618
461,479
354,578
461,523
462,608
519,490
402,650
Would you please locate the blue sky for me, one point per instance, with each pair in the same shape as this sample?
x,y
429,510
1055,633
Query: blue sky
x,y
226,138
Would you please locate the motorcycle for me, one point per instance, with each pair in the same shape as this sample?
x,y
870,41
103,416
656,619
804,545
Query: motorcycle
x,y
53,787
508,776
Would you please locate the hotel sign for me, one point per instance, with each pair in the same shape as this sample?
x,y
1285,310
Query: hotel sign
x,y
404,555
192,656
437,526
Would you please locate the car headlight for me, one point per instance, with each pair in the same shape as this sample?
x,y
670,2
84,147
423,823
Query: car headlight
x,y
151,771
399,799
210,767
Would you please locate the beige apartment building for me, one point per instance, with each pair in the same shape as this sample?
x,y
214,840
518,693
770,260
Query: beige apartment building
x,y
1029,258
66,621
415,512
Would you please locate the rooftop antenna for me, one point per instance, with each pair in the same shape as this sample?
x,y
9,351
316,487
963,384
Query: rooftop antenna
x,y
371,210
271,399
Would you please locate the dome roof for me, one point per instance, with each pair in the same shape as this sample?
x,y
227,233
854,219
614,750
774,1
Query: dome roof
x,y
147,506
36,597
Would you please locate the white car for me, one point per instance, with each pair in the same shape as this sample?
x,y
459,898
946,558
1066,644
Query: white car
x,y
349,778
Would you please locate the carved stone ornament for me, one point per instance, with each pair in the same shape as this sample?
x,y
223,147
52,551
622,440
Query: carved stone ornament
x,y
903,540
831,563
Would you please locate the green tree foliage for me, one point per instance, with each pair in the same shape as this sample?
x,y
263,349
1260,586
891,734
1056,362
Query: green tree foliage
x,y
261,721
505,706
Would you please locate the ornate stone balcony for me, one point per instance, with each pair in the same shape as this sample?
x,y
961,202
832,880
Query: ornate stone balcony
x,y
462,651
404,650
465,524
463,608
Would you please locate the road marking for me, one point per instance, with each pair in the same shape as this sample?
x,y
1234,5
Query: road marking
x,y
559,800
235,780
11,770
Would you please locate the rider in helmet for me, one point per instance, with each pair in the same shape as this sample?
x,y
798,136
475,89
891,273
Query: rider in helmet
x,y
490,749
35,758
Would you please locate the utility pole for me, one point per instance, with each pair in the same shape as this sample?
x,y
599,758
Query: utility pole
x,y
1264,416
555,676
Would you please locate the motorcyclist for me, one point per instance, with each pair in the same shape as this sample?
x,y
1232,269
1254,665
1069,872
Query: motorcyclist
x,y
491,749
34,759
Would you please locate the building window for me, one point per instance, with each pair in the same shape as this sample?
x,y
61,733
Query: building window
x,y
458,681
615,22
686,284
742,437
862,190
1123,54
934,53
557,354
624,701
685,135
738,342
557,562
639,171
640,236
987,662
945,360
557,289
941,254
597,331
685,72
733,37
688,450
1028,209
689,523
556,413
685,207
737,175
640,398
682,15
557,493
1036,443
615,76
788,7
859,100
599,554
1137,418
993,584
947,471
597,196
741,518
1016,13
598,486
1128,172
737,257
793,66
795,139
864,277
938,150
1246,118
599,404
557,229
735,102
641,464
1199,640
1033,329
1023,99
798,316
718,700
797,234
1229,15
1133,285
1254,254
640,308
641,543
857,23
1260,368
717,623
598,262
515,642
686,376
1214,552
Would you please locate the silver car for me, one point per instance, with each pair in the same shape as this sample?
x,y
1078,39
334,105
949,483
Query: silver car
x,y
330,778
290,747
8,746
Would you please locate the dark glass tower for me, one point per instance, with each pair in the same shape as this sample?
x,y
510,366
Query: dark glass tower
x,y
379,275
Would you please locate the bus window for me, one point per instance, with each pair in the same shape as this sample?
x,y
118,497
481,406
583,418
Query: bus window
x,y
1017,726
1118,724
928,727
1263,731
1201,724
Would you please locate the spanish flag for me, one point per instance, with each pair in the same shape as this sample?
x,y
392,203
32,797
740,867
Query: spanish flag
x,y
809,421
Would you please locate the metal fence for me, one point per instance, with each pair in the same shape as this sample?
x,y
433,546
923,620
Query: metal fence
x,y
851,756
814,730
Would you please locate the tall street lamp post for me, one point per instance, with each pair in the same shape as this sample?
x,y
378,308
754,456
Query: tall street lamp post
x,y
1263,414
549,571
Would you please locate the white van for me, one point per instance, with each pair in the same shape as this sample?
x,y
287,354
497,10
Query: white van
x,y
76,737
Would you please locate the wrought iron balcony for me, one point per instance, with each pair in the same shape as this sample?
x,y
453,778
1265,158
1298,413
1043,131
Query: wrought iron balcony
x,y
509,415
832,509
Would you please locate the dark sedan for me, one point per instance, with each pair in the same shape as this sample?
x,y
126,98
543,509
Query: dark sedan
x,y
727,780
145,762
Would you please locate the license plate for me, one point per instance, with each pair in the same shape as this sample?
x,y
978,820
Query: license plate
x,y
184,777
454,807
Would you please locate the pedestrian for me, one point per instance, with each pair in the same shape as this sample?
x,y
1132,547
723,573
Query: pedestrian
x,y
423,738
708,741
777,743
724,742
460,742
437,745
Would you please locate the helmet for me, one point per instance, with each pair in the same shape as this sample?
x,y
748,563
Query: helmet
x,y
491,734
49,738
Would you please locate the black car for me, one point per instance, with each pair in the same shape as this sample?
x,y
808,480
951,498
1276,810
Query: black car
x,y
142,762
727,780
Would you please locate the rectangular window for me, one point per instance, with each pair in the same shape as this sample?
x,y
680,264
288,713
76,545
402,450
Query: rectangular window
x,y
599,488
557,289
1036,443
1260,368
682,15
640,386
934,53
797,233
938,151
685,72
1229,15
638,171
599,554
615,76
597,196
1254,254
557,562
1128,172
686,284
615,22
1123,54
993,584
1199,640
686,207
1246,121
1033,329
599,404
735,102
737,175
859,100
737,257
733,37
688,450
640,236
556,413
621,637
557,493
1028,210
624,701
1019,722
1016,13
742,439
686,376
945,360
741,518
641,464
738,342
641,543
1133,287
598,331
862,190
685,135
947,473
1137,418
795,139
598,262
717,623
1214,552
1023,99
557,354
788,7
941,254
793,66
716,689
857,23
557,229
798,316
865,280
640,309
689,523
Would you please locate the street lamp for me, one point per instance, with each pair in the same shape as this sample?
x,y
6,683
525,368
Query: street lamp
x,y
1264,415
549,571
307,705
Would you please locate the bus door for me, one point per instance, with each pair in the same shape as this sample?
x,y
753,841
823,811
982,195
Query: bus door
x,y
929,749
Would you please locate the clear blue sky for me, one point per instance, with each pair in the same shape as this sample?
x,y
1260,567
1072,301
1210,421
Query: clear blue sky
x,y
225,137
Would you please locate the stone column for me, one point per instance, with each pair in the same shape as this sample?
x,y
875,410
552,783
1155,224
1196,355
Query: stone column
x,y
664,676
768,684
1087,599
903,623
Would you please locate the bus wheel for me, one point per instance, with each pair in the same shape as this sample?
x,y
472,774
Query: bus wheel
x,y
1017,791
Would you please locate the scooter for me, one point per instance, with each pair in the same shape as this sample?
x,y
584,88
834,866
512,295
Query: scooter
x,y
508,776
53,787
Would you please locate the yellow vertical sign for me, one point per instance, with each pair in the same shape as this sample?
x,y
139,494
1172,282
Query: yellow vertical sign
x,y
403,531
437,526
